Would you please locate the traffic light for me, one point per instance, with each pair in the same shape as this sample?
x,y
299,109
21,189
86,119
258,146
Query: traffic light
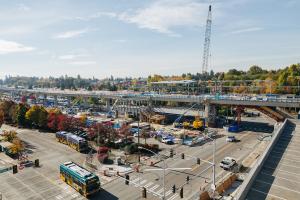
x,y
198,161
174,189
36,162
181,193
171,153
187,179
15,169
144,192
182,156
127,179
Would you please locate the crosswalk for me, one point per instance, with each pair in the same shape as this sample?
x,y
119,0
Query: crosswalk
x,y
153,188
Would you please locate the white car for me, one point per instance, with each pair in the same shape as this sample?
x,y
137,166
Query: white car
x,y
231,139
227,163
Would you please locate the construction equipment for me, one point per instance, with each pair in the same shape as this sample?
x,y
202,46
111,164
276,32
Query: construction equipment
x,y
206,50
176,122
197,124
186,124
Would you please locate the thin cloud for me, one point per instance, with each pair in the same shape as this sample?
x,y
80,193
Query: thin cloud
x,y
71,34
7,47
247,30
82,62
23,7
71,56
163,16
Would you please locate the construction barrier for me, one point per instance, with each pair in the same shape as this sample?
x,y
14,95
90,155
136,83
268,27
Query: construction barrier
x,y
226,184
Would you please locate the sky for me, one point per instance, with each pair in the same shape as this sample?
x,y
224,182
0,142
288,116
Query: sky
x,y
137,38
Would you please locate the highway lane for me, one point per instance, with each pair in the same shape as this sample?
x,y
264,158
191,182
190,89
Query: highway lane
x,y
153,181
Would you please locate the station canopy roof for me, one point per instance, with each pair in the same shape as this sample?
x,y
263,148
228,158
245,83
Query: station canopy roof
x,y
175,82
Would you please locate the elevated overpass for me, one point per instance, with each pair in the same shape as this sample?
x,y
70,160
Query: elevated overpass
x,y
263,104
202,99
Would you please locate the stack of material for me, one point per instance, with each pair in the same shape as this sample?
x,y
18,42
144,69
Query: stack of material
x,y
157,119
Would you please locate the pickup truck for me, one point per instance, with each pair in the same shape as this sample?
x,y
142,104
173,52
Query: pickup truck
x,y
228,163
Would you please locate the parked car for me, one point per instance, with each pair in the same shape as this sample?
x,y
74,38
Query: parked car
x,y
231,139
228,163
167,140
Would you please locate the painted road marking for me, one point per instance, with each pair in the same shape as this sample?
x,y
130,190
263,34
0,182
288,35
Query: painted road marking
x,y
135,180
148,184
143,181
160,191
168,193
153,188
173,197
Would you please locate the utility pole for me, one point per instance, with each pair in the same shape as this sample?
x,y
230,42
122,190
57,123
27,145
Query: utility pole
x,y
206,50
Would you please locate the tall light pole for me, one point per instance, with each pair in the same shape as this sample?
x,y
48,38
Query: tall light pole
x,y
213,186
164,169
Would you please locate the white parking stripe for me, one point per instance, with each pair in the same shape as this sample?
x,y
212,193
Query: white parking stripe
x,y
267,194
272,184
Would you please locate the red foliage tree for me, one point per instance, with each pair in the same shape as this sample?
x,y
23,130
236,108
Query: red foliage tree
x,y
63,122
23,99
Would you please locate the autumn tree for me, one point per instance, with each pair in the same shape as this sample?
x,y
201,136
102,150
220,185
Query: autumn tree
x,y
124,131
53,119
1,118
17,146
20,114
7,108
9,135
37,115
63,123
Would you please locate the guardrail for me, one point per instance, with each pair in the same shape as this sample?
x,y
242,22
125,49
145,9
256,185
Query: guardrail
x,y
246,185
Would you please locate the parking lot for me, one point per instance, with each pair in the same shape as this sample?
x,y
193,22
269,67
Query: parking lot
x,y
280,175
42,182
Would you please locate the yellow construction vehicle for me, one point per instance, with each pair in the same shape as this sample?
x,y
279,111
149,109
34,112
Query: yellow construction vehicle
x,y
186,124
197,124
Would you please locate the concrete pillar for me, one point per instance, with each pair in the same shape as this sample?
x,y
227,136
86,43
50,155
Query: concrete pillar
x,y
107,102
44,99
68,101
85,102
55,101
210,115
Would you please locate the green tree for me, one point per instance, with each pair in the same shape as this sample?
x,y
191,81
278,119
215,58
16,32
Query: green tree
x,y
255,70
20,114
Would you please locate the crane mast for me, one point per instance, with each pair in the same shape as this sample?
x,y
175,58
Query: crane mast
x,y
206,50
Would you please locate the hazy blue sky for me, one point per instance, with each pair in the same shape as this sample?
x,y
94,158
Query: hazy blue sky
x,y
141,37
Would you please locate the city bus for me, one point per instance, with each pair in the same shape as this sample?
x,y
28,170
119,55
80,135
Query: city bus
x,y
83,181
62,137
77,143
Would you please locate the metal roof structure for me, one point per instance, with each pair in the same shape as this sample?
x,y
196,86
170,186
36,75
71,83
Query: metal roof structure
x,y
175,82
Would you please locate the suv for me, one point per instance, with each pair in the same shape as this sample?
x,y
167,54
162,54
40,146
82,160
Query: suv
x,y
227,163
231,139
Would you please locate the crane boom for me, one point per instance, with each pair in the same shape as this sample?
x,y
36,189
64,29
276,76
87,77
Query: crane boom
x,y
206,50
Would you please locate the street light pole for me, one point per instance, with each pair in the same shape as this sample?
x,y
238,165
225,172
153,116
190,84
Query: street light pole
x,y
164,170
213,186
